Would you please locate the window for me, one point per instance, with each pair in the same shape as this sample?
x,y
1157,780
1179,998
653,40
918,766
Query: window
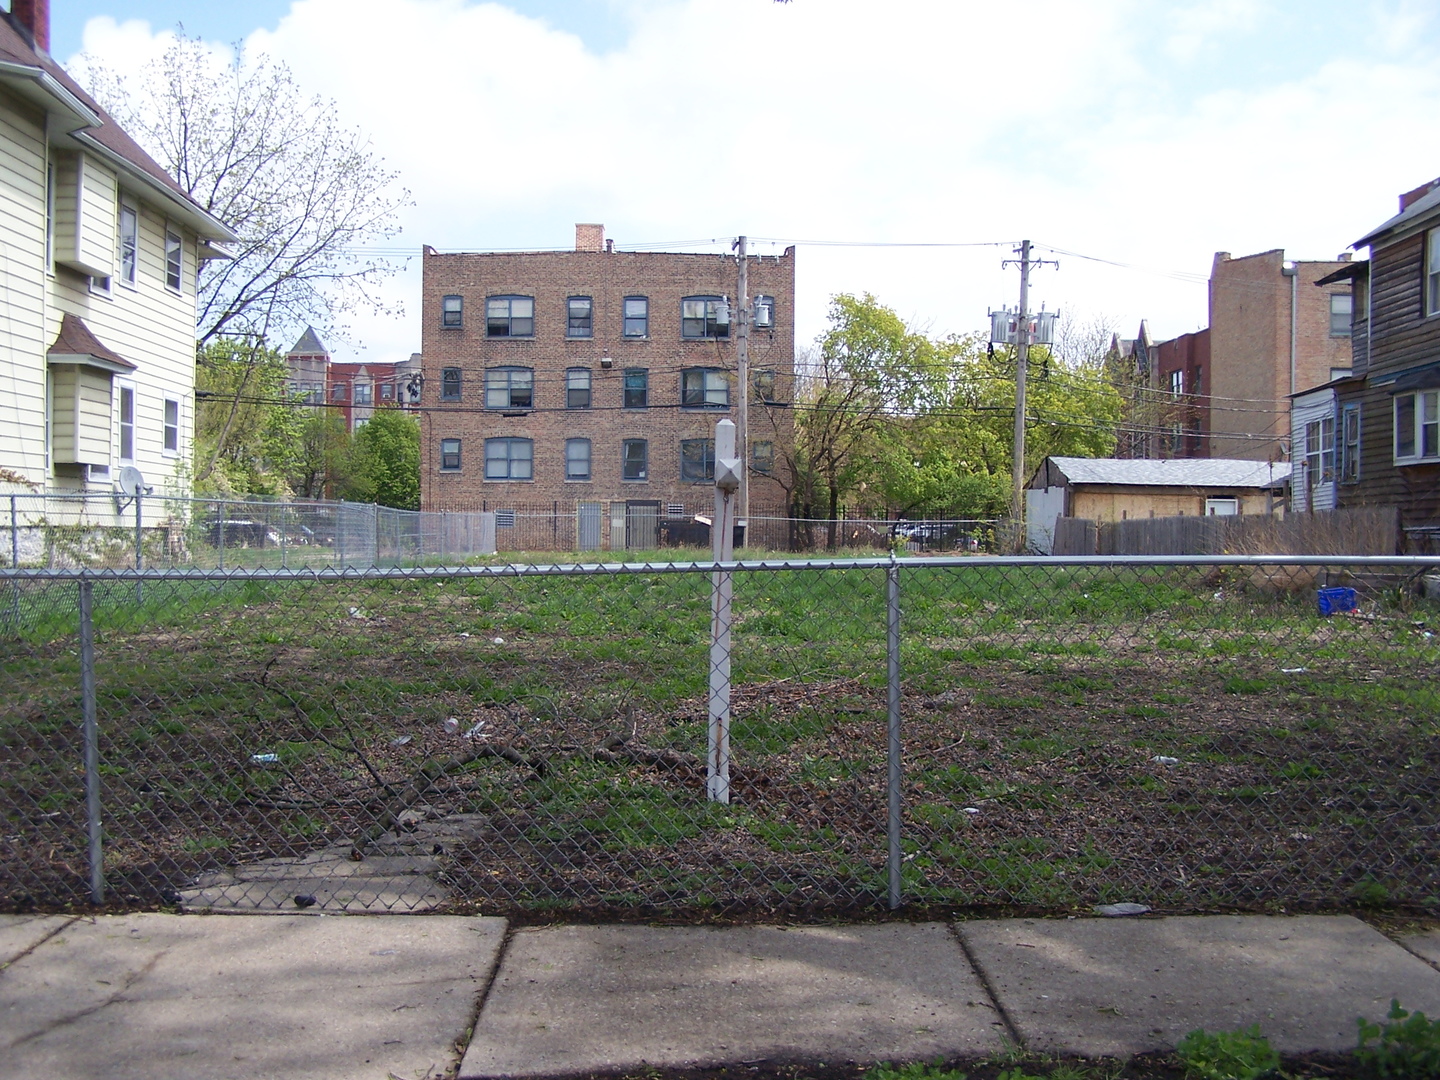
x,y
450,384
577,388
578,317
637,388
337,392
762,458
1432,272
635,460
170,430
452,312
509,388
364,394
387,392
1222,507
577,459
449,455
704,388
510,316
764,308
637,317
509,459
704,317
129,244
127,422
1320,451
1417,426
174,260
1340,309
697,460
765,385
1177,382
1350,444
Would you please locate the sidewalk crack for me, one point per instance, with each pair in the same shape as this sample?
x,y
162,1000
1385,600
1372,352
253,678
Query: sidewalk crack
x,y
119,995
1010,1029
58,930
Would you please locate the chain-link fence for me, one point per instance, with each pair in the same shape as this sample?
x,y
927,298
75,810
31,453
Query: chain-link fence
x,y
1193,734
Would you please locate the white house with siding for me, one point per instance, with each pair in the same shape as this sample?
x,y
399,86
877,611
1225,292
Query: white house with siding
x,y
101,248
1324,445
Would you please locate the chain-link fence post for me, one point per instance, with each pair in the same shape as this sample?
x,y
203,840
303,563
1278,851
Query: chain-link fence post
x,y
92,739
892,650
139,548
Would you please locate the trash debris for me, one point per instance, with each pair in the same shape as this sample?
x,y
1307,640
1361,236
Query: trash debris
x,y
499,641
452,726
464,633
1116,911
265,759
304,900
972,809
476,732
383,952
1294,670
1161,759
357,613
1301,836
401,740
1336,599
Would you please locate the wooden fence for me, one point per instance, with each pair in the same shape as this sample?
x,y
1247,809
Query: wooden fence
x,y
1366,530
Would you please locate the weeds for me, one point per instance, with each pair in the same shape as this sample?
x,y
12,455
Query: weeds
x,y
1228,1055
1408,1046
915,1070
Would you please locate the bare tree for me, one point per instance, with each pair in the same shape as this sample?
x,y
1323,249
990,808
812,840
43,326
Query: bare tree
x,y
302,191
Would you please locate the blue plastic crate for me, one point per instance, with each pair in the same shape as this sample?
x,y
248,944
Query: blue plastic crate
x,y
1336,599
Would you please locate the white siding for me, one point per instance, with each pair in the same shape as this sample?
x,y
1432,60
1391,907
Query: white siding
x,y
98,211
1304,409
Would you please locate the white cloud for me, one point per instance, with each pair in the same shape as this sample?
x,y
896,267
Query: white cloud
x,y
848,120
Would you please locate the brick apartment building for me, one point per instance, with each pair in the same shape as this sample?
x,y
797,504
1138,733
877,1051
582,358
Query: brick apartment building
x,y
354,391
591,381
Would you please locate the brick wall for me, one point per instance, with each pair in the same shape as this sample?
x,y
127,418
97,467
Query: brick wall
x,y
607,278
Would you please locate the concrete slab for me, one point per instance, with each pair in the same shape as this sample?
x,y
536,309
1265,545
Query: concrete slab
x,y
579,999
143,996
1426,946
20,933
347,894
1124,986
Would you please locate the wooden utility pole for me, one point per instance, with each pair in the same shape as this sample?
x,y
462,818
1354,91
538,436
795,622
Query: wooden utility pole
x,y
1022,354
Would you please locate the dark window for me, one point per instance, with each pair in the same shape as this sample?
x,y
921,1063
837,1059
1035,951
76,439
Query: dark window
x,y
635,460
637,316
579,321
765,384
697,460
450,384
577,388
637,388
762,457
363,394
452,312
509,459
764,308
337,392
510,316
577,459
1340,309
449,455
174,260
387,392
704,317
509,388
129,243
704,388
1350,444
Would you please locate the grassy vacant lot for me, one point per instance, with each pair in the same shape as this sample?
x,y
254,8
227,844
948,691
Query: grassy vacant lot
x,y
1191,738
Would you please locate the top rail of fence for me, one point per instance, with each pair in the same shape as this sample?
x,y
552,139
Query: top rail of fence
x,y
1416,563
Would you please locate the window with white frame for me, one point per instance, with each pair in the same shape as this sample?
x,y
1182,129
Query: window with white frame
x,y
577,388
127,421
577,459
174,260
1350,444
635,460
509,459
1177,382
170,426
704,388
1417,427
1432,271
1222,506
510,316
449,455
509,388
129,244
704,317
1320,451
637,317
1341,305
697,460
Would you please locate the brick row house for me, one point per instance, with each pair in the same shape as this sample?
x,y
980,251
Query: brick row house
x,y
97,365
1374,437
591,381
351,391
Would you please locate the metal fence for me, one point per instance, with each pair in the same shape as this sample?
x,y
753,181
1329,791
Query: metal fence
x,y
1037,734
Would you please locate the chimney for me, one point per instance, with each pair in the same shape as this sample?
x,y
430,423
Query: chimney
x,y
1419,193
1345,256
589,237
34,15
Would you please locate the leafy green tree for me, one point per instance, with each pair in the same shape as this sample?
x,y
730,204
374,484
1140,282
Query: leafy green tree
x,y
323,465
245,432
387,461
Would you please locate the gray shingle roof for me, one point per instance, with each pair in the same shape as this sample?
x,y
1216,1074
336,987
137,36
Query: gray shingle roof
x,y
1175,472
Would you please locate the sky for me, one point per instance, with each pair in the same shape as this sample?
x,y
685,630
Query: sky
x,y
906,147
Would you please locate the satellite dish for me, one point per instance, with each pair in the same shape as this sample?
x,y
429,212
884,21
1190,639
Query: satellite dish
x,y
132,481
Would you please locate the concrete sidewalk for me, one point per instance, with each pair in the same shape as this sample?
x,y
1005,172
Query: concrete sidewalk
x,y
304,996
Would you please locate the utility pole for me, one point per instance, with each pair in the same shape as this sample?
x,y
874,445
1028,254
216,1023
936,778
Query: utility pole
x,y
742,352
1024,335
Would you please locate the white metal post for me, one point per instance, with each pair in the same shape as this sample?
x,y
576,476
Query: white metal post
x,y
722,536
